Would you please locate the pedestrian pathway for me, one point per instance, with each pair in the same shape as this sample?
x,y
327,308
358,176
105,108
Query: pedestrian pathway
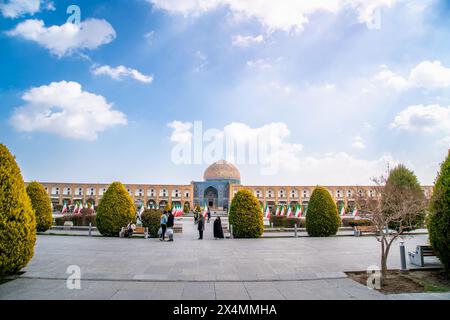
x,y
285,268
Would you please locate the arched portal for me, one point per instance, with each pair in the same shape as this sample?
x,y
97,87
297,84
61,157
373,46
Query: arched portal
x,y
151,204
211,197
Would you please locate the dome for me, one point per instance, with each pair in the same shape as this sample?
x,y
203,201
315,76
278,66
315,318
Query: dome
x,y
222,170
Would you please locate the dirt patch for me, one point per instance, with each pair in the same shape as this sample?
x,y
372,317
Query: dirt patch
x,y
411,282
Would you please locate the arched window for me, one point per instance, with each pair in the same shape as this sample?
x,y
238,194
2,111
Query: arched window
x,y
294,193
305,193
102,191
258,193
339,194
282,193
187,194
349,193
176,193
163,192
269,193
151,193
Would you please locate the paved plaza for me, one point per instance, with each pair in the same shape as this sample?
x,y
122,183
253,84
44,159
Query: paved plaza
x,y
114,268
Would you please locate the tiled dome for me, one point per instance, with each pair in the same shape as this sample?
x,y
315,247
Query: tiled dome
x,y
222,170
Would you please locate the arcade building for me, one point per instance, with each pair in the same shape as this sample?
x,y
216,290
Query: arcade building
x,y
221,181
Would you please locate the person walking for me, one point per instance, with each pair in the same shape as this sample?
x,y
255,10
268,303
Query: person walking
x,y
163,222
170,223
209,215
201,226
218,231
195,217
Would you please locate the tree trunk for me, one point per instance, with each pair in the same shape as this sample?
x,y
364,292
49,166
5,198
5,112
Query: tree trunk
x,y
383,262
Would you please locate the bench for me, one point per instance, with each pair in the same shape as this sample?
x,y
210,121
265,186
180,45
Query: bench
x,y
137,230
416,258
178,228
359,230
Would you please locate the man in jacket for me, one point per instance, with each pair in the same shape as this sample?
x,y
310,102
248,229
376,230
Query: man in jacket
x,y
163,222
201,226
170,223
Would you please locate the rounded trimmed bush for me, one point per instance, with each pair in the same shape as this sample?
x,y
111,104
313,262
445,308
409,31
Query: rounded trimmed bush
x,y
323,218
246,216
116,210
439,218
17,220
42,206
151,220
402,178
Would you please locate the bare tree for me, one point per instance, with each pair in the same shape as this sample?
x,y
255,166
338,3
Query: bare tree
x,y
391,206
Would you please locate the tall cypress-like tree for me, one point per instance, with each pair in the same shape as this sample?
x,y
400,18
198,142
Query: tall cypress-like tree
x,y
17,220
439,218
41,205
401,178
116,210
246,216
323,218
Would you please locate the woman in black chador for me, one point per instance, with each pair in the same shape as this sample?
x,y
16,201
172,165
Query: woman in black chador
x,y
218,231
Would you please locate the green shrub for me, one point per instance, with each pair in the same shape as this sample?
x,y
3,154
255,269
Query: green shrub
x,y
402,178
359,223
17,219
79,220
439,218
41,205
246,216
322,219
151,220
58,207
291,222
116,210
277,221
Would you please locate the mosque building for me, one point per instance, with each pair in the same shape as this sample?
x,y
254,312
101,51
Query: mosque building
x,y
221,181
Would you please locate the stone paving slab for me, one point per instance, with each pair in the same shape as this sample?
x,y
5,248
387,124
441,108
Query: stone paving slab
x,y
113,268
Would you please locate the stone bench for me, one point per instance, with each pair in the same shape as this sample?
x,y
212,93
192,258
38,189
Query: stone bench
x,y
417,257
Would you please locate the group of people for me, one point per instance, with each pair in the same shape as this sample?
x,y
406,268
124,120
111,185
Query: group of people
x,y
197,216
167,222
217,231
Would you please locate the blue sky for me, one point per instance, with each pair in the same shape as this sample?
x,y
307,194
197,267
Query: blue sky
x,y
343,86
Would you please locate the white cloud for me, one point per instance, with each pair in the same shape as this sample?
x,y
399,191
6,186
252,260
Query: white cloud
x,y
358,143
429,118
339,169
280,161
245,41
121,72
63,108
284,15
181,131
17,8
259,63
67,38
201,61
427,74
